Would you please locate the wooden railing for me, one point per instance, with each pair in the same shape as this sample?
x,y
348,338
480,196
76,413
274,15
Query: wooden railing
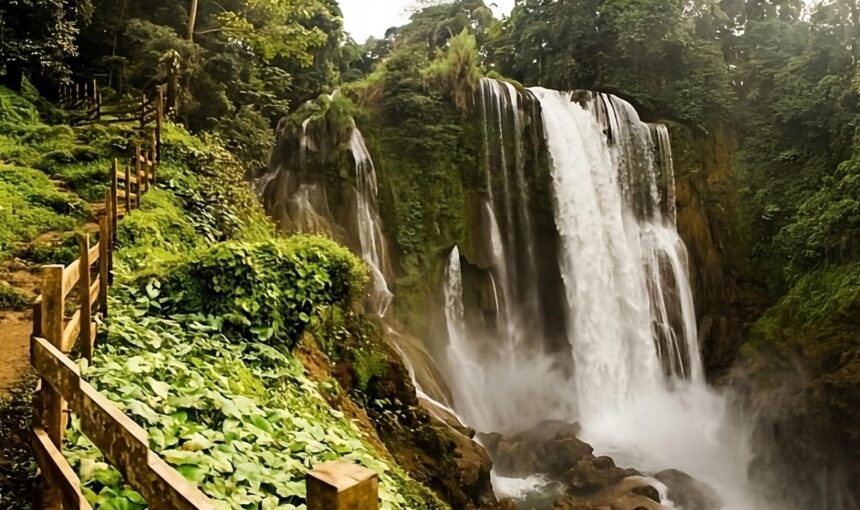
x,y
84,102
61,389
333,486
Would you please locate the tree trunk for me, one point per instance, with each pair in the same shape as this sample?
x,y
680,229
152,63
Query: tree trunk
x,y
192,20
14,75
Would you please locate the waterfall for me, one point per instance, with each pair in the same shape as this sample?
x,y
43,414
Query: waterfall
x,y
640,393
371,240
302,199
504,377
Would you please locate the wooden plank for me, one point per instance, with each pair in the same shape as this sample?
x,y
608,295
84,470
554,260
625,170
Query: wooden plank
x,y
342,486
95,254
85,298
159,126
57,471
138,178
127,189
125,445
172,490
53,309
122,194
71,332
133,179
71,275
57,371
95,288
123,442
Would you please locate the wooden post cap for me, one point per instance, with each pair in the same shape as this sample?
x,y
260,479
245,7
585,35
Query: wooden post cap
x,y
342,486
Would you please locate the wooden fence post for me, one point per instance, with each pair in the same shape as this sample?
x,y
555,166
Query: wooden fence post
x,y
114,208
53,313
342,486
127,189
155,145
143,111
159,120
137,171
84,298
104,248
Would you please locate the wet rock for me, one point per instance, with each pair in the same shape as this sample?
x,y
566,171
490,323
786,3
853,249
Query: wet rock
x,y
551,448
594,474
624,495
687,492
648,491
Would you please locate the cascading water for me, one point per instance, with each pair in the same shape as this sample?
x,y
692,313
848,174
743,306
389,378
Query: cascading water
x,y
370,236
640,390
503,380
302,200
637,385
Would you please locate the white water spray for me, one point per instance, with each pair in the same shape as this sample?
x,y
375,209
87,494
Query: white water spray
x,y
640,393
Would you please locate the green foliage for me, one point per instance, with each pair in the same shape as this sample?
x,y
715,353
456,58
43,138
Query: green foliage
x,y
241,419
455,69
159,231
369,365
248,135
38,36
645,51
268,290
12,298
262,54
14,108
827,225
826,299
30,205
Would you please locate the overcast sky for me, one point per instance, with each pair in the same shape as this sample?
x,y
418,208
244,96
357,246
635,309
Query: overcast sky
x,y
365,18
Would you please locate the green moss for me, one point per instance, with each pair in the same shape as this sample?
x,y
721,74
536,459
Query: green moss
x,y
14,108
823,300
30,205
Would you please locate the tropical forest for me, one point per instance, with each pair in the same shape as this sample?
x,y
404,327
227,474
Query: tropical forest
x,y
430,255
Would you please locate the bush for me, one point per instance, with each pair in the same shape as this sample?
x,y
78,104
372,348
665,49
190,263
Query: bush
x,y
12,298
266,290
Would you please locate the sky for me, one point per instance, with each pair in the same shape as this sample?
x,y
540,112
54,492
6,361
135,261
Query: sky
x,y
365,18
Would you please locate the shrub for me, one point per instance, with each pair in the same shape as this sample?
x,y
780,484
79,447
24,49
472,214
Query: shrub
x,y
267,290
12,298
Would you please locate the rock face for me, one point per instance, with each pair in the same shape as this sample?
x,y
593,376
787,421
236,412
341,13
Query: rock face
x,y
807,404
430,445
726,297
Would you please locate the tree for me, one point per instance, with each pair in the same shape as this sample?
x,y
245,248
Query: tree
x,y
37,36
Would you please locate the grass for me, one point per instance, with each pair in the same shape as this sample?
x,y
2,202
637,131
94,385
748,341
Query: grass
x,y
30,205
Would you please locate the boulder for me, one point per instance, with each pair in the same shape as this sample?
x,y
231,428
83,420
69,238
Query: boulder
x,y
551,448
591,475
687,492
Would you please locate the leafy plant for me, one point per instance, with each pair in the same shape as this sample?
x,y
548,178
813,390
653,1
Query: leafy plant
x,y
267,290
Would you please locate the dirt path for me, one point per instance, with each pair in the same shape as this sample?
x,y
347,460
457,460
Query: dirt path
x,y
16,326
15,329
